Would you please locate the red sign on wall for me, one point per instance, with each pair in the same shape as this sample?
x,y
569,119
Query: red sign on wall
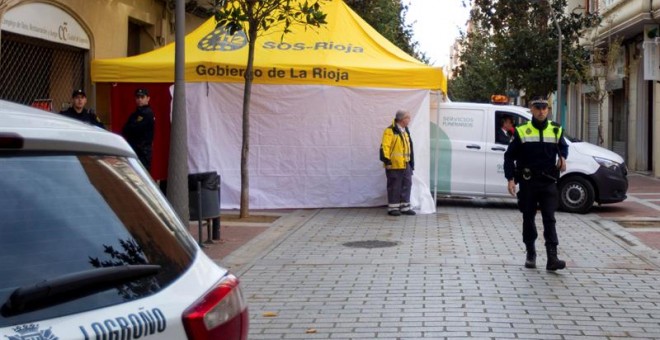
x,y
44,104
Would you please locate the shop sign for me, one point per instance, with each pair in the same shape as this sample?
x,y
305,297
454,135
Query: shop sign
x,y
47,22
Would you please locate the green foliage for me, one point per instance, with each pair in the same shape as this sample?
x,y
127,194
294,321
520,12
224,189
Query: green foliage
x,y
476,79
524,37
259,16
387,17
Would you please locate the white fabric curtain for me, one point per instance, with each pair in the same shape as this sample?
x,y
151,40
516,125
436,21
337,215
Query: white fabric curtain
x,y
310,146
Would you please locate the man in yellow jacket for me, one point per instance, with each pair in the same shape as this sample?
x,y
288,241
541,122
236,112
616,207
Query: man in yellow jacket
x,y
396,153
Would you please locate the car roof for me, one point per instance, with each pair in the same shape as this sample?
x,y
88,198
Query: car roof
x,y
45,131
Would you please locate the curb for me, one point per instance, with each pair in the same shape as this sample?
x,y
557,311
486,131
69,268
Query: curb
x,y
634,245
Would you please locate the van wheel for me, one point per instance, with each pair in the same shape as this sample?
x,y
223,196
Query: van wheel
x,y
576,195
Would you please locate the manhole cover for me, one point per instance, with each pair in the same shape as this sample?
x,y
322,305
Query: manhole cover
x,y
371,244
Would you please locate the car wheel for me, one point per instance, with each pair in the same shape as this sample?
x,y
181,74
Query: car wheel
x,y
576,195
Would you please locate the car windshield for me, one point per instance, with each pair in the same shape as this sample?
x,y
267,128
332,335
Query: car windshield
x,y
65,214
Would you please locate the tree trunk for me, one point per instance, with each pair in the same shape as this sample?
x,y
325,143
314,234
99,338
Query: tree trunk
x,y
177,169
245,150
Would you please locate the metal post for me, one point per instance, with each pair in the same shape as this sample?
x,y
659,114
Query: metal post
x,y
216,221
437,155
208,231
199,214
558,118
216,228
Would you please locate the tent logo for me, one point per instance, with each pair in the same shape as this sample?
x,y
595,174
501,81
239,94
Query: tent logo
x,y
220,40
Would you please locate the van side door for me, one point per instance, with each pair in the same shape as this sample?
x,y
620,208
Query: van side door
x,y
458,151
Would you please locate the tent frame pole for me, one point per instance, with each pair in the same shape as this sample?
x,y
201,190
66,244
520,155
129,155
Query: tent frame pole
x,y
437,155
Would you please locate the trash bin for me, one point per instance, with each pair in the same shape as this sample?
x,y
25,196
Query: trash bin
x,y
210,195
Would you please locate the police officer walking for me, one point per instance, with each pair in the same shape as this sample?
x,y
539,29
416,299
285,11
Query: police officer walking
x,y
78,111
534,160
139,128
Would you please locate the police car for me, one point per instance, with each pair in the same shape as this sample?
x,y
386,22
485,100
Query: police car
x,y
90,249
468,160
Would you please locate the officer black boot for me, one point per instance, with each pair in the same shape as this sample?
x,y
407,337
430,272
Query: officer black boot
x,y
530,261
554,263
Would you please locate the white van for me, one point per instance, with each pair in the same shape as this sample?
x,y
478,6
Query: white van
x,y
467,161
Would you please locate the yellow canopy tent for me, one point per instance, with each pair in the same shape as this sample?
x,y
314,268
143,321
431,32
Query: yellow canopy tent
x,y
345,52
320,101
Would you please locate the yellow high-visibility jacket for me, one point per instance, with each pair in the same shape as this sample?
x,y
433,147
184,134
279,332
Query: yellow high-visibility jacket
x,y
396,149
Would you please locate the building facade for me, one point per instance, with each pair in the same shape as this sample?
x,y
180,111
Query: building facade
x,y
620,109
47,45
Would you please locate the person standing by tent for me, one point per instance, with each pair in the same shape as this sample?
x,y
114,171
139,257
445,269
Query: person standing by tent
x,y
78,111
396,153
139,128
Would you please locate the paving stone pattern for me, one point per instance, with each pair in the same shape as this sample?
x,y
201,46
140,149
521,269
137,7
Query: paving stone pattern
x,y
454,274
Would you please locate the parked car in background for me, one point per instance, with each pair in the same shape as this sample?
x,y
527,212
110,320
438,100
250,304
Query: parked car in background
x,y
89,247
467,159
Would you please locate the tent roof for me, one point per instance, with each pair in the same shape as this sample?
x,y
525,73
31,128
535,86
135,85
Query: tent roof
x,y
345,52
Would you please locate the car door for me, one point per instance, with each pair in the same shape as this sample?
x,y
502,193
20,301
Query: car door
x,y
496,184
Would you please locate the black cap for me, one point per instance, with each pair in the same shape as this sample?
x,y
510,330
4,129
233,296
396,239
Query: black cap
x,y
141,92
78,92
539,101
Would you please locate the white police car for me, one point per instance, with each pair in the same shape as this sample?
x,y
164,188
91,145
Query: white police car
x,y
90,249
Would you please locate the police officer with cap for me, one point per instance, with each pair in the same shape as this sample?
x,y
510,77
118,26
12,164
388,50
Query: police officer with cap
x,y
534,160
139,128
78,111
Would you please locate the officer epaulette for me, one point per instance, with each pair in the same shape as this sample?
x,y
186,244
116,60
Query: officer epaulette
x,y
554,123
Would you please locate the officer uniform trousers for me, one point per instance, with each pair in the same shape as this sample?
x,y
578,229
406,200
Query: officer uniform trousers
x,y
399,184
538,193
144,153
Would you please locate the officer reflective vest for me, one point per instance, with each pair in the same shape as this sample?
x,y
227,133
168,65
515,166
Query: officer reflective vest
x,y
535,149
528,133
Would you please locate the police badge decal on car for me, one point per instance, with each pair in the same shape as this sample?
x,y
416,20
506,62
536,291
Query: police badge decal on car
x,y
31,331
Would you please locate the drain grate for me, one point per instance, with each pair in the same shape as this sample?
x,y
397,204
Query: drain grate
x,y
371,244
640,224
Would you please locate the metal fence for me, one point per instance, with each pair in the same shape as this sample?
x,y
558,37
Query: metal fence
x,y
39,73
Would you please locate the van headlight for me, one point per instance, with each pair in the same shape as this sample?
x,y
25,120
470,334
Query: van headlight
x,y
607,163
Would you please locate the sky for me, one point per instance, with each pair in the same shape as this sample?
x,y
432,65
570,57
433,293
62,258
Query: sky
x,y
436,24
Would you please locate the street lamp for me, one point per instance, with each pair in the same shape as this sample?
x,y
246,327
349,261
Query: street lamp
x,y
554,17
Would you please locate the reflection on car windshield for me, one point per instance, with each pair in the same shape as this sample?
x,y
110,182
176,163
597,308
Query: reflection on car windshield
x,y
64,214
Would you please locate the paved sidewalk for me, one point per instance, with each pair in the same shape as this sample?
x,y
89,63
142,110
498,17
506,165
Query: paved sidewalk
x,y
454,274
640,212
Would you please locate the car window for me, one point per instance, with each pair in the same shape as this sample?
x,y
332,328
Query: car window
x,y
64,214
502,137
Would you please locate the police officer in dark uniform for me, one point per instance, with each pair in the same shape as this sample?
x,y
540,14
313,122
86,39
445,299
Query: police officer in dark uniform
x,y
534,160
139,128
78,111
